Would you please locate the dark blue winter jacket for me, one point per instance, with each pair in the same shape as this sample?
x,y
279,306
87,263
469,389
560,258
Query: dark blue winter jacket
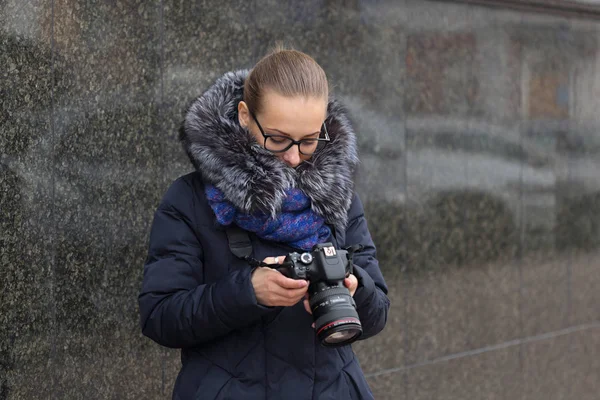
x,y
197,296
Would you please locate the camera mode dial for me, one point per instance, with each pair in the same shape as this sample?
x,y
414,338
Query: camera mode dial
x,y
306,258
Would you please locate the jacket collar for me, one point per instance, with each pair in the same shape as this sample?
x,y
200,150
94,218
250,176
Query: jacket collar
x,y
253,179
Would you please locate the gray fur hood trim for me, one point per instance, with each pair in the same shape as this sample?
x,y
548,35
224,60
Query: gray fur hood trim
x,y
251,178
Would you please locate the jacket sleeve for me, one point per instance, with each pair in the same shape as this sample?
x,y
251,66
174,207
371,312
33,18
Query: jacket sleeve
x,y
177,309
372,303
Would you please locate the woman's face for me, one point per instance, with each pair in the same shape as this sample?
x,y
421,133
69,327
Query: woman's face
x,y
294,117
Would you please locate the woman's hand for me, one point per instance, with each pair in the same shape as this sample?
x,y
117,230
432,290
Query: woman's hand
x,y
273,289
351,283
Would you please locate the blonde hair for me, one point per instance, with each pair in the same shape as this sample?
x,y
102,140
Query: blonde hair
x,y
288,73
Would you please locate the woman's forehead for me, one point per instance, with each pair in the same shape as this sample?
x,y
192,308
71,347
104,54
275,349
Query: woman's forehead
x,y
297,114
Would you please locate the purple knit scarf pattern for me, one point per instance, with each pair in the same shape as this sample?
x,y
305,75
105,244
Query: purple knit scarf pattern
x,y
297,225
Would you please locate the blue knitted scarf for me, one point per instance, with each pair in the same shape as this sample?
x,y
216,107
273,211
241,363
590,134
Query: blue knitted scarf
x,y
296,225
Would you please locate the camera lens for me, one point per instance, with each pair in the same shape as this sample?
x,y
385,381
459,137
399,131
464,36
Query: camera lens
x,y
336,320
342,336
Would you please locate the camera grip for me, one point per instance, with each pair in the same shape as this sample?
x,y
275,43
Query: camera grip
x,y
286,268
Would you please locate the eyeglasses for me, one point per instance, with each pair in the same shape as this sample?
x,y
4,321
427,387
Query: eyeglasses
x,y
281,144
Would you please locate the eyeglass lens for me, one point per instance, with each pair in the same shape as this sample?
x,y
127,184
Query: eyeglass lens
x,y
282,143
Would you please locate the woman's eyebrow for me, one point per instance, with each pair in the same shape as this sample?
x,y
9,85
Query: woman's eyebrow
x,y
287,134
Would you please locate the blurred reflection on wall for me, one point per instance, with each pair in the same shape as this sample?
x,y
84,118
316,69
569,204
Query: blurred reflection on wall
x,y
501,147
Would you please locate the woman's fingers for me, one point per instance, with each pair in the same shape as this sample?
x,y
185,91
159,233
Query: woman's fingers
x,y
307,305
274,260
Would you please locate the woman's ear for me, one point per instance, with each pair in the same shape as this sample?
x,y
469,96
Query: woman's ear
x,y
243,114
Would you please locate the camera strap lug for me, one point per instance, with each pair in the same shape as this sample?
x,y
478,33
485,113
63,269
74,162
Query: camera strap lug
x,y
351,250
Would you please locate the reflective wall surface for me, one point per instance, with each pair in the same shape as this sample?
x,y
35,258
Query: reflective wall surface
x,y
480,146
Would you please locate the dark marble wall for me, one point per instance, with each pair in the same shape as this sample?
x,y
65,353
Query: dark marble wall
x,y
480,147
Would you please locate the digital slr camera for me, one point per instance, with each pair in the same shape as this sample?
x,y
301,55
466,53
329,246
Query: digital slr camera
x,y
333,308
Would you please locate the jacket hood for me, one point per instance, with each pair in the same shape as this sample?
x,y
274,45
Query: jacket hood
x,y
253,179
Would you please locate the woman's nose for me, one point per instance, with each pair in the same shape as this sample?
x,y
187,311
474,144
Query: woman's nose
x,y
292,156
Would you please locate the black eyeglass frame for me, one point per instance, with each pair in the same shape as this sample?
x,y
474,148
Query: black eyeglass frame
x,y
293,142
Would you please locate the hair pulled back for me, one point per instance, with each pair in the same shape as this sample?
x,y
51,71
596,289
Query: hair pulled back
x,y
289,73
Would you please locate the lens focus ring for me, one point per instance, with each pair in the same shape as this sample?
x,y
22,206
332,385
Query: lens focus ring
x,y
320,296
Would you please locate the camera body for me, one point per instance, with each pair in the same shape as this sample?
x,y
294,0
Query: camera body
x,y
323,264
333,308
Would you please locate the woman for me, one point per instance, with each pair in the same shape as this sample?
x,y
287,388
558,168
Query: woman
x,y
275,157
